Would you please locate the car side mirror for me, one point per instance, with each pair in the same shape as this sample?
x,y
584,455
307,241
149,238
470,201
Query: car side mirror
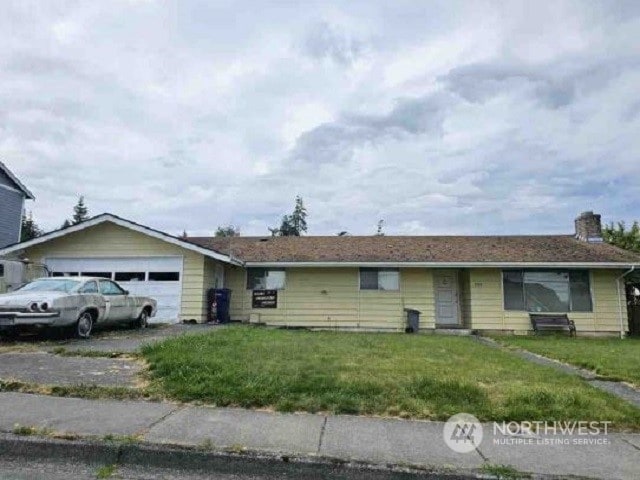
x,y
126,292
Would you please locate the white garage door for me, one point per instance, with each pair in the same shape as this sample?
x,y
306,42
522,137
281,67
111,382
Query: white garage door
x,y
157,277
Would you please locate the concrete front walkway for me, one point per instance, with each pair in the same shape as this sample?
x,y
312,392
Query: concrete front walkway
x,y
369,440
619,389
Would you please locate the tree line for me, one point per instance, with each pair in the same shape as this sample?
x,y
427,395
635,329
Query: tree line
x,y
30,229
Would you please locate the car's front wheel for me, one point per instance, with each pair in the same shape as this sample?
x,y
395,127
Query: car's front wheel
x,y
143,320
84,325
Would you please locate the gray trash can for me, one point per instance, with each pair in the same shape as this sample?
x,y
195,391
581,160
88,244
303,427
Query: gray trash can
x,y
413,320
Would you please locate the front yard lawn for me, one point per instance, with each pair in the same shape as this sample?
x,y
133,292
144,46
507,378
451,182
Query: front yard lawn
x,y
613,358
417,376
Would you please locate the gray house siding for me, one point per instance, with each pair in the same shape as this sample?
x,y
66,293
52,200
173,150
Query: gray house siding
x,y
6,181
11,204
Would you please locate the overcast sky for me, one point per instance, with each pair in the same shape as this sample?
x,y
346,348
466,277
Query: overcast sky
x,y
438,117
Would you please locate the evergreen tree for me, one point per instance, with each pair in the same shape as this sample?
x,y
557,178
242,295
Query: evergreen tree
x,y
66,224
379,232
80,211
293,225
298,219
30,228
285,229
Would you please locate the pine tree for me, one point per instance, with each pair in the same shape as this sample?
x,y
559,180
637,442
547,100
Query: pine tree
x,y
80,211
66,223
30,228
379,229
285,229
292,225
298,220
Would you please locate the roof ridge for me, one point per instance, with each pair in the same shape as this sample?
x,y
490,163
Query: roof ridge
x,y
251,237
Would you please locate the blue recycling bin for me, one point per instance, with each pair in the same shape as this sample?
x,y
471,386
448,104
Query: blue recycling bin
x,y
218,301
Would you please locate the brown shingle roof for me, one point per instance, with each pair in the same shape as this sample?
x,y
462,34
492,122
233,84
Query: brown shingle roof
x,y
455,249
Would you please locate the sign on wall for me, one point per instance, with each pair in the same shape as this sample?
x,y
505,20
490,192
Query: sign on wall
x,y
264,299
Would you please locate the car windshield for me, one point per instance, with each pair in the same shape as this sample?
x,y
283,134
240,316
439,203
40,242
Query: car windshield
x,y
57,285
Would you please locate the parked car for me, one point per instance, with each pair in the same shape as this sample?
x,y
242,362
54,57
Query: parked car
x,y
73,303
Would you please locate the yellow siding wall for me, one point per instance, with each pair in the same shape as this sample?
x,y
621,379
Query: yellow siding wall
x,y
487,312
331,298
110,240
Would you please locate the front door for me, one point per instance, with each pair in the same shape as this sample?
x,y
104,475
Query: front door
x,y
447,307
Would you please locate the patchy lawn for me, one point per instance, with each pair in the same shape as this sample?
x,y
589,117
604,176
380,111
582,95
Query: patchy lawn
x,y
613,358
417,376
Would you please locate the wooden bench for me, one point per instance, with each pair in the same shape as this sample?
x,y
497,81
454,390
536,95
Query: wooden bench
x,y
545,321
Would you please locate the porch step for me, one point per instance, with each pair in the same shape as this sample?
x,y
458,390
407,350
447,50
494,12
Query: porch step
x,y
453,331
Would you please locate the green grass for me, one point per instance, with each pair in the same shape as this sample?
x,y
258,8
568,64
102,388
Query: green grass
x,y
92,392
25,430
106,471
414,376
503,472
612,358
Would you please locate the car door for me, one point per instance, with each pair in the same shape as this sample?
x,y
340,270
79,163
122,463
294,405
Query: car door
x,y
118,308
90,289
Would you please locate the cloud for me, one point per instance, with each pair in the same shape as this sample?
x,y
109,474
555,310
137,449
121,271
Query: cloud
x,y
335,142
325,41
483,118
481,82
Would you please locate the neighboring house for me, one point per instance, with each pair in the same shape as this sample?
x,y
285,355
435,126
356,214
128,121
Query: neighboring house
x,y
485,283
12,196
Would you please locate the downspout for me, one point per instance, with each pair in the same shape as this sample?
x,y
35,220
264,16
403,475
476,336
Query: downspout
x,y
620,298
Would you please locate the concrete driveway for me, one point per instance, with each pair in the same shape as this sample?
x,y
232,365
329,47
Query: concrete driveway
x,y
125,340
42,361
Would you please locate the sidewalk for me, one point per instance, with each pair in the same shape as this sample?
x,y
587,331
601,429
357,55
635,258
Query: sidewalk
x,y
369,440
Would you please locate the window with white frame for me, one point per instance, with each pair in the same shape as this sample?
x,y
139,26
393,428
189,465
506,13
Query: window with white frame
x,y
547,290
266,279
379,279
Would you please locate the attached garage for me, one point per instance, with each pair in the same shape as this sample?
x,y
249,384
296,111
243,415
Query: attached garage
x,y
175,272
156,277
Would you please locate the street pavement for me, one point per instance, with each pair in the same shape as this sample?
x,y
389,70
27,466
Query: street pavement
x,y
25,468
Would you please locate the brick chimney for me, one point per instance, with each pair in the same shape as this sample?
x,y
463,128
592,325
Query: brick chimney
x,y
589,227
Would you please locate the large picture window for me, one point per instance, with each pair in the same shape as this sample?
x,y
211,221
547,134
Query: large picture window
x,y
379,279
547,290
265,279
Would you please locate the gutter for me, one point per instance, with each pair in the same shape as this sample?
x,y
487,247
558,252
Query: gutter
x,y
633,267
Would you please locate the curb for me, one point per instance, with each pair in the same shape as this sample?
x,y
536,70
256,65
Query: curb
x,y
175,457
